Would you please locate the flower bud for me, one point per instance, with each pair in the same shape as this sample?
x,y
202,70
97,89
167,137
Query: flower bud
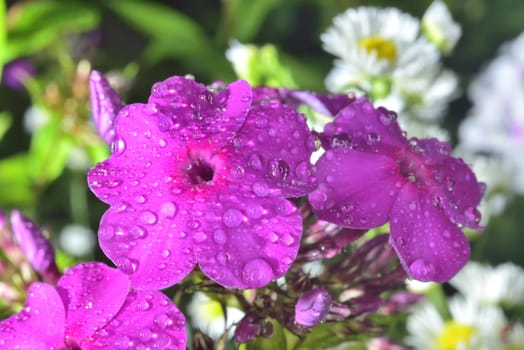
x,y
312,307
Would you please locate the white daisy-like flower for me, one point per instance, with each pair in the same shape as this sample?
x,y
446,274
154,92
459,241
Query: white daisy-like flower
x,y
495,124
381,53
491,285
440,28
472,326
207,315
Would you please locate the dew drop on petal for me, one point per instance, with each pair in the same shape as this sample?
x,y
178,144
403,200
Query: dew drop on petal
x,y
260,189
254,210
219,236
148,217
232,218
199,236
422,270
257,273
126,265
165,253
118,146
168,209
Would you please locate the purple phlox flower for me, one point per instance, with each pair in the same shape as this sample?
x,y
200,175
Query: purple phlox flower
x,y
35,246
385,344
371,174
312,307
401,301
105,104
92,307
249,328
16,72
200,176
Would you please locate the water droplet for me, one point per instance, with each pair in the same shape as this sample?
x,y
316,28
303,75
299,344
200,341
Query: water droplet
x,y
162,143
168,209
279,169
472,215
412,205
140,199
199,236
260,189
422,270
446,234
232,217
118,146
219,237
254,211
450,183
288,239
138,232
165,253
373,138
126,265
341,141
148,217
162,266
255,161
143,305
257,273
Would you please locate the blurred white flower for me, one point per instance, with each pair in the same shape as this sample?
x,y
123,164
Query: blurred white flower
x,y
471,327
77,240
381,53
440,28
208,315
34,118
242,57
494,127
493,285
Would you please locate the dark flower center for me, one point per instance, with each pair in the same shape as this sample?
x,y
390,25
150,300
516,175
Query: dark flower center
x,y
200,172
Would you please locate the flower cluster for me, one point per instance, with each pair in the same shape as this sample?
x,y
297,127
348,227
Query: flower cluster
x,y
387,55
203,175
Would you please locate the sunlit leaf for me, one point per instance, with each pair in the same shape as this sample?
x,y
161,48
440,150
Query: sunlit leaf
x,y
35,25
5,123
15,182
50,149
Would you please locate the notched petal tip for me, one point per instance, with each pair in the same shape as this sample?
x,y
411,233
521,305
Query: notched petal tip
x,y
105,104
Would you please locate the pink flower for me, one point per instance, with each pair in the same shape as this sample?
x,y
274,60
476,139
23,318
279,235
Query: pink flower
x,y
92,307
201,176
371,174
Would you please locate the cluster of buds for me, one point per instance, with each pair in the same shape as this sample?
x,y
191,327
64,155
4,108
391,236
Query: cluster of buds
x,y
27,257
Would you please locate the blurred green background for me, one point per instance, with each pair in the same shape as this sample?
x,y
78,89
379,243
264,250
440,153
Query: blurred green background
x,y
43,171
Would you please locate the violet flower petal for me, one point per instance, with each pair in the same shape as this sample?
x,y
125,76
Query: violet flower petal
x,y
105,104
40,324
361,127
156,251
16,72
369,182
210,115
245,241
147,319
429,245
37,249
327,104
312,307
92,294
272,151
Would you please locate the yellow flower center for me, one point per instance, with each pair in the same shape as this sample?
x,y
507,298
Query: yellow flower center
x,y
455,334
382,47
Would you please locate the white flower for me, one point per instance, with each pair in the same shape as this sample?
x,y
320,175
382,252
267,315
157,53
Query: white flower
x,y
381,53
495,124
494,285
77,240
208,315
471,327
440,28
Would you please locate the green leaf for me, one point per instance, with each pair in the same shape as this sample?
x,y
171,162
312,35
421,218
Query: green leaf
x,y
5,122
15,182
277,340
49,152
248,16
39,24
328,335
172,33
3,37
